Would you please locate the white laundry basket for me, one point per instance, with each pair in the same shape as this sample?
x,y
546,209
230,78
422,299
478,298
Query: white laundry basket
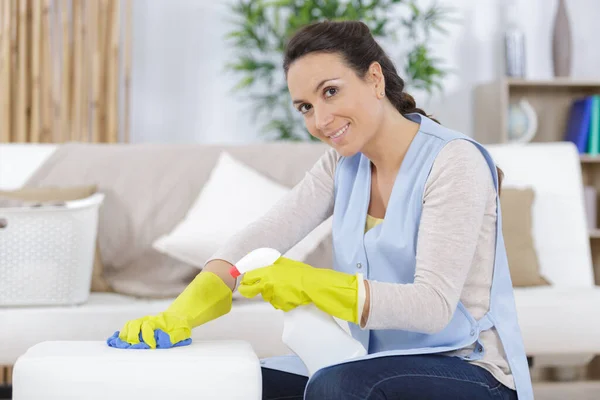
x,y
47,253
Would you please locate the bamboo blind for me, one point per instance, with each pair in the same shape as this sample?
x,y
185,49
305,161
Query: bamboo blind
x,y
65,69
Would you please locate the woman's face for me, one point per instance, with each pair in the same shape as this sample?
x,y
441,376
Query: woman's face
x,y
339,108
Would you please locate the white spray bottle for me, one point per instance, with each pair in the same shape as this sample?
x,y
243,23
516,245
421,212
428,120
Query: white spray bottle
x,y
313,335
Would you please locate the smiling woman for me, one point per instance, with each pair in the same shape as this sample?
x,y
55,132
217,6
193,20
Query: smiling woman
x,y
335,81
352,98
420,271
334,72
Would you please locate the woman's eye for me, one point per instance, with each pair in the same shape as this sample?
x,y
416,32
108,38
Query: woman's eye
x,y
330,92
304,108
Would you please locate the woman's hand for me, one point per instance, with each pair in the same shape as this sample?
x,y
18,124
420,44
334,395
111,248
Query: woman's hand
x,y
287,284
163,330
206,298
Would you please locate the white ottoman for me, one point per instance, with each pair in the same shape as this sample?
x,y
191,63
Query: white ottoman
x,y
92,370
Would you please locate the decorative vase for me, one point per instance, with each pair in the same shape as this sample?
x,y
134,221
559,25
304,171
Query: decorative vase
x,y
514,42
561,41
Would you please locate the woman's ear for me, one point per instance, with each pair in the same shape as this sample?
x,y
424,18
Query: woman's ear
x,y
376,78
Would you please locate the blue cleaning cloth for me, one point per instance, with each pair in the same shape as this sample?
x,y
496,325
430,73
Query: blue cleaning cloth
x,y
162,341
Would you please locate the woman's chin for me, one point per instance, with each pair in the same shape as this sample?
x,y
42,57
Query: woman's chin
x,y
346,150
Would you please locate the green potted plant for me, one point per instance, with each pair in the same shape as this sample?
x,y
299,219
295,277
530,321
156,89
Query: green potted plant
x,y
262,27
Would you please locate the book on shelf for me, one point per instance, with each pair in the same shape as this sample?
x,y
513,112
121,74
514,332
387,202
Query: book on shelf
x,y
583,125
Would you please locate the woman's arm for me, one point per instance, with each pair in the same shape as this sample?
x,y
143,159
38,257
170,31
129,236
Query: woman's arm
x,y
293,217
454,209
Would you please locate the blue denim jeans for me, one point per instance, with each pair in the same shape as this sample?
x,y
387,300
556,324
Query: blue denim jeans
x,y
417,377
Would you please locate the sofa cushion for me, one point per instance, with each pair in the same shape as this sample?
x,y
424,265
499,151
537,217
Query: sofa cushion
x,y
518,238
234,196
58,194
559,320
254,321
148,190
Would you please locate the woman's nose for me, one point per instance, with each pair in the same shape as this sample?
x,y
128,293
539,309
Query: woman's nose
x,y
323,119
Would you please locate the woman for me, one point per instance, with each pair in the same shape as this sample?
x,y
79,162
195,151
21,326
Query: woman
x,y
436,314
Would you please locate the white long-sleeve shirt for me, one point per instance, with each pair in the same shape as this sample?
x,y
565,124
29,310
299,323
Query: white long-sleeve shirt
x,y
455,248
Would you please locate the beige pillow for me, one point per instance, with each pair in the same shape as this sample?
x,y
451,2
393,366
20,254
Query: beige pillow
x,y
57,194
517,230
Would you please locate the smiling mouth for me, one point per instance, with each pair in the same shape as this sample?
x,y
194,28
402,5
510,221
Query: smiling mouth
x,y
340,132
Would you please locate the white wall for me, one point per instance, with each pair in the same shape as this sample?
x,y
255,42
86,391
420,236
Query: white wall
x,y
180,92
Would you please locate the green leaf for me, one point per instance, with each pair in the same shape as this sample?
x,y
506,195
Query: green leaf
x,y
277,3
244,83
379,28
415,10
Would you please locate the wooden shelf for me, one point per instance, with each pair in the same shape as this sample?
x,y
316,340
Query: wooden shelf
x,y
551,99
594,233
588,159
556,83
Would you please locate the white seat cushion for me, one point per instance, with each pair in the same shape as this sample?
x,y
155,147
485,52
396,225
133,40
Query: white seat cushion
x,y
92,370
253,321
558,320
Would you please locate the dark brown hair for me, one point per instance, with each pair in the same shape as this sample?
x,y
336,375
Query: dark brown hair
x,y
359,49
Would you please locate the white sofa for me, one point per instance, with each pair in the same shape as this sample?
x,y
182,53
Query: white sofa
x,y
22,327
559,322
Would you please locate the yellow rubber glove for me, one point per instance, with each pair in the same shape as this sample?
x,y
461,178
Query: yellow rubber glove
x,y
287,284
206,298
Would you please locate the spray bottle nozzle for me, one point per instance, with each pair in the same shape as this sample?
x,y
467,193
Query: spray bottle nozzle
x,y
234,272
255,259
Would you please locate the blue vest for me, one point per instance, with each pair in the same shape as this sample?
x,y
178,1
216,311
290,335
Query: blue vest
x,y
387,253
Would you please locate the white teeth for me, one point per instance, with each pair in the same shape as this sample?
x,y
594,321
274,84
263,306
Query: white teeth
x,y
340,132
